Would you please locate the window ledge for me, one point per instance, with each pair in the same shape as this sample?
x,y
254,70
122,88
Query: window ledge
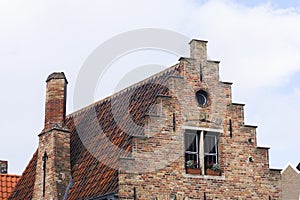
x,y
222,177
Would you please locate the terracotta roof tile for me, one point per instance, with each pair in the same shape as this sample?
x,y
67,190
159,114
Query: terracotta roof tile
x,y
7,185
90,177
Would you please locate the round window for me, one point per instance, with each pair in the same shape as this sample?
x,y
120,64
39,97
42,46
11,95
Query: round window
x,y
201,97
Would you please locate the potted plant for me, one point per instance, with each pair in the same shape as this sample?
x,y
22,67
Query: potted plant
x,y
213,169
191,168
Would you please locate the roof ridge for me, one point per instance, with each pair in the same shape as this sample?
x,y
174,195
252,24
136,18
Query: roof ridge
x,y
133,86
291,166
10,175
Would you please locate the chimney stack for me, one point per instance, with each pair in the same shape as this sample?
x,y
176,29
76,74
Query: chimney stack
x,y
3,167
55,112
53,170
198,49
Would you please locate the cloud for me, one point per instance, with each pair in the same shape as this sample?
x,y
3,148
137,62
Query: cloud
x,y
259,44
278,116
258,47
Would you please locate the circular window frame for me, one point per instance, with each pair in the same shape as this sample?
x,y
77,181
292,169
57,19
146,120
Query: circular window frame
x,y
202,98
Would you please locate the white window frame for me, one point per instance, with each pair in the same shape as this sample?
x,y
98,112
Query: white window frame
x,y
197,146
217,148
200,144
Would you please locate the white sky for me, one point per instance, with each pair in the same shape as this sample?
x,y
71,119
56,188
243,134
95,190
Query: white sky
x,y
258,45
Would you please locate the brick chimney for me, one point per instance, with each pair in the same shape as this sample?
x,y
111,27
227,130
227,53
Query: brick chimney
x,y
198,49
3,167
55,112
53,169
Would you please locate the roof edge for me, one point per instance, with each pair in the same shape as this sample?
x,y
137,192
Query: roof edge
x,y
57,75
214,61
238,104
274,169
16,175
292,166
260,147
250,126
114,95
226,82
198,40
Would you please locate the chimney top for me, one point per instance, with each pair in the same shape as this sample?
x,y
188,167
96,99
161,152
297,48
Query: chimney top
x,y
57,75
56,95
198,49
3,167
197,40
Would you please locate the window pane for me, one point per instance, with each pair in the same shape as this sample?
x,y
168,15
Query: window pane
x,y
190,142
193,157
210,159
210,144
210,148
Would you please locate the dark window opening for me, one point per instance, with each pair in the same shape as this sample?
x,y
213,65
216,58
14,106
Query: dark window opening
x,y
202,97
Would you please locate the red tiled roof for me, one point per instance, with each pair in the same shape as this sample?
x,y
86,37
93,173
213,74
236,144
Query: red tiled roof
x,y
7,184
90,177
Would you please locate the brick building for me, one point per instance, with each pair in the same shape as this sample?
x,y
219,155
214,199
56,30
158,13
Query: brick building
x,y
175,135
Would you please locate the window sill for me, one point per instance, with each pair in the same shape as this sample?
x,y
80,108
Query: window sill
x,y
222,177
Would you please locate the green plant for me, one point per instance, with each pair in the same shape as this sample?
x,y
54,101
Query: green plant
x,y
216,167
190,164
213,166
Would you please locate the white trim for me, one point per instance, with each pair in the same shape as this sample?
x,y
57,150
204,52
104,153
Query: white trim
x,y
215,145
222,177
197,147
202,152
202,129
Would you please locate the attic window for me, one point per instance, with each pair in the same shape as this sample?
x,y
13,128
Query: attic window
x,y
201,97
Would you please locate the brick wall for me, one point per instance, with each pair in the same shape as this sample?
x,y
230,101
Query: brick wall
x,y
157,166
